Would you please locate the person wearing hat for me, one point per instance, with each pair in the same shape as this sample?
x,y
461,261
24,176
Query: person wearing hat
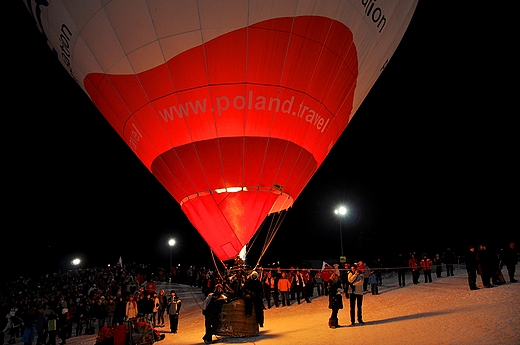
x,y
355,279
253,290
471,267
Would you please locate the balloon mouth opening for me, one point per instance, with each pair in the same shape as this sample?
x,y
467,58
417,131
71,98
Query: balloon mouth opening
x,y
283,201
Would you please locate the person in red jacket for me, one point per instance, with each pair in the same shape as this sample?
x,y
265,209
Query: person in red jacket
x,y
413,263
150,287
426,265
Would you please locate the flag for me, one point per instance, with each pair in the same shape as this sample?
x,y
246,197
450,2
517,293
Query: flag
x,y
121,261
325,265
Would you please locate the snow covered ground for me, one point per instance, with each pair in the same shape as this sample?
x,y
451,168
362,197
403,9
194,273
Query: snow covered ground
x,y
442,312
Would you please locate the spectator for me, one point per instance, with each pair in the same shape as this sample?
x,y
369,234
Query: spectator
x,y
163,304
63,323
90,310
174,307
325,275
300,287
110,312
52,327
471,267
402,267
437,262
320,289
145,306
335,299
426,266
355,278
485,265
253,297
150,287
79,318
511,260
378,271
10,330
155,310
365,270
269,289
120,312
131,308
449,260
413,263
284,286
374,287
100,312
41,327
308,279
29,333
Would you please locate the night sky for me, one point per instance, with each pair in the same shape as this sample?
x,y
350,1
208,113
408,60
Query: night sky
x,y
429,161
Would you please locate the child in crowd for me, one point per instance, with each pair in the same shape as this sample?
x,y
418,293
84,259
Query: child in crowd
x,y
372,279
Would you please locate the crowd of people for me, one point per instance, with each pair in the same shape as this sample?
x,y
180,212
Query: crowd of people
x,y
83,301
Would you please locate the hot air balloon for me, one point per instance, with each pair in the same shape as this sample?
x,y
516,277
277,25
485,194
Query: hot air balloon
x,y
232,105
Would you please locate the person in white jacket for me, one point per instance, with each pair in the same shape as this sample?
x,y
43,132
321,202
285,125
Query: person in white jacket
x,y
355,279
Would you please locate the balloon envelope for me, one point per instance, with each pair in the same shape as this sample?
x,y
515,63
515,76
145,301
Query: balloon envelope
x,y
232,105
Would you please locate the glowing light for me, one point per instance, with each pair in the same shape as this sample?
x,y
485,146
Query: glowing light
x,y
341,211
231,190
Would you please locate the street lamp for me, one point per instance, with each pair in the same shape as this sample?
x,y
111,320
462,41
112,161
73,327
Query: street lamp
x,y
341,211
171,243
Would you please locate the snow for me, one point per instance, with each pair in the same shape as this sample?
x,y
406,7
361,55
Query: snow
x,y
442,312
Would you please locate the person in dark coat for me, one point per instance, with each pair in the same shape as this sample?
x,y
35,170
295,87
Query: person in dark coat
x,y
335,288
471,267
510,259
449,260
485,266
63,324
41,327
402,267
253,296
120,312
437,263
212,312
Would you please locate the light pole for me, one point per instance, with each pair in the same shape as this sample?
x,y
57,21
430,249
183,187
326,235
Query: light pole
x,y
171,243
341,211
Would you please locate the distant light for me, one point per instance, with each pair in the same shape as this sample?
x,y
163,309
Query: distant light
x,y
76,262
171,242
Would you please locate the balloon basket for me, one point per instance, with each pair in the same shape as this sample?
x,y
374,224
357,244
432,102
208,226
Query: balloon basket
x,y
234,322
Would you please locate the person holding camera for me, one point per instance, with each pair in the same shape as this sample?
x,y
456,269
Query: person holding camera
x,y
356,280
